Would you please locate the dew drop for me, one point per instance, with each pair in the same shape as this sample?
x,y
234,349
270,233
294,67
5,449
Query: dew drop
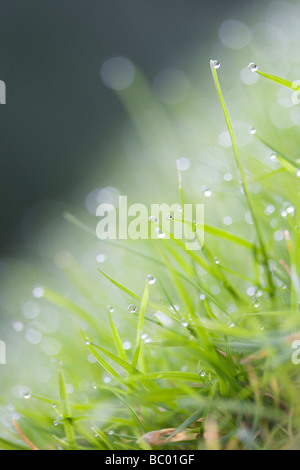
x,y
26,395
253,67
298,174
110,308
53,404
202,296
132,308
55,423
232,325
184,323
159,233
207,192
153,219
216,64
151,279
252,130
169,217
273,157
216,260
201,373
256,303
111,433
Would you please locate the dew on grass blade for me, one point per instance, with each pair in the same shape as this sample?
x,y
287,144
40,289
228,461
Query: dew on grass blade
x,y
255,303
252,130
53,405
132,308
110,308
27,395
253,67
159,233
184,323
153,219
216,260
151,279
207,192
201,373
216,64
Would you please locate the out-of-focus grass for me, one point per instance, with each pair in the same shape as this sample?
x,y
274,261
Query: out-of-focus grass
x,y
106,358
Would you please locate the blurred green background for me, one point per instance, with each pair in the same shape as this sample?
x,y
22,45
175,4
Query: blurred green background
x,y
59,127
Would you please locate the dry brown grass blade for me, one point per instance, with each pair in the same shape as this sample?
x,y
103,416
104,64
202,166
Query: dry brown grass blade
x,y
159,437
25,439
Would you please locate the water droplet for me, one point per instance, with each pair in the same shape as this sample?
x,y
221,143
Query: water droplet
x,y
216,64
252,130
53,404
132,308
151,279
232,325
159,233
153,219
111,309
94,386
144,336
291,210
55,423
216,260
253,67
207,192
256,303
87,342
179,208
111,433
147,340
273,157
298,173
26,395
169,217
126,345
202,296
184,323
201,373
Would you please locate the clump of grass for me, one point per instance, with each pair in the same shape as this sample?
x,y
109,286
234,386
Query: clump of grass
x,y
215,372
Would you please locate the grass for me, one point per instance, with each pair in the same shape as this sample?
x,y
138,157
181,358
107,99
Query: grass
x,y
188,366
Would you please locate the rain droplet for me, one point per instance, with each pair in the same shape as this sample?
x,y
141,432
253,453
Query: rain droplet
x,y
273,157
151,279
111,433
216,64
132,308
144,336
184,323
216,260
110,308
55,423
26,395
252,130
256,303
253,67
169,217
87,342
153,219
201,373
